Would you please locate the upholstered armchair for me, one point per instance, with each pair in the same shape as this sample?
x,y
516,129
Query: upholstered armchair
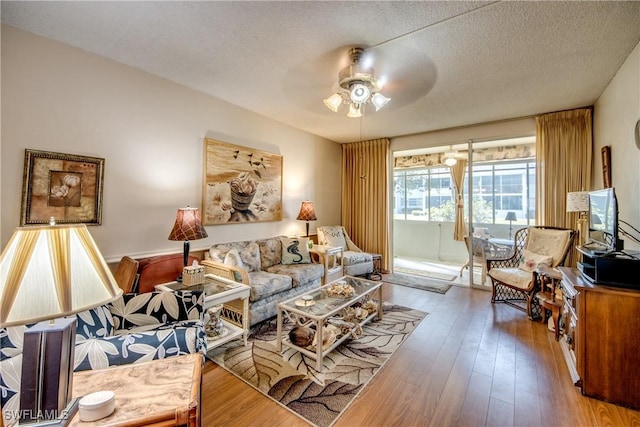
x,y
512,278
354,261
134,328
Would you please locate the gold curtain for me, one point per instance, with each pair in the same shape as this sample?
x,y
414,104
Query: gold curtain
x,y
365,196
564,151
457,175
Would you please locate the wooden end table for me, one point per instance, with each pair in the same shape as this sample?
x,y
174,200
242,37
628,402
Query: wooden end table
x,y
163,392
549,281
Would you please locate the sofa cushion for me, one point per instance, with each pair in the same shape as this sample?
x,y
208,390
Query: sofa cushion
x,y
299,273
95,323
295,250
265,284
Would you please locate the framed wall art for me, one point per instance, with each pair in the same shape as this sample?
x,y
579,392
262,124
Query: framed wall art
x,y
240,184
66,187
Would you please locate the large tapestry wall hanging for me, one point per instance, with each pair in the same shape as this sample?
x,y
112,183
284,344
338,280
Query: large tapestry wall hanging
x,y
240,184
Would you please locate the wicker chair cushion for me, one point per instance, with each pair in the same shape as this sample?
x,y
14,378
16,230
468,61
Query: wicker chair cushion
x,y
549,242
515,277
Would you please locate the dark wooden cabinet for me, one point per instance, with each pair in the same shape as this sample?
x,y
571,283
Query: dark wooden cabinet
x,y
601,342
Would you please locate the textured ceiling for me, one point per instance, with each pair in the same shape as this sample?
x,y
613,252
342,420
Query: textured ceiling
x,y
447,63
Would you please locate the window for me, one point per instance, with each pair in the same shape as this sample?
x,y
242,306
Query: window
x,y
427,194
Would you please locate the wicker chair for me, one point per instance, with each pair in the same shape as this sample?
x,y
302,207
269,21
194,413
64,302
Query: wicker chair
x,y
512,278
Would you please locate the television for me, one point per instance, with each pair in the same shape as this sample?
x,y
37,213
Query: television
x,y
603,220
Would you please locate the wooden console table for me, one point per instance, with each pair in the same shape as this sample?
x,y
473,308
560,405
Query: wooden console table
x,y
600,341
164,392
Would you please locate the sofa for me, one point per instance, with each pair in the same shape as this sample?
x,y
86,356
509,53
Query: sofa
x,y
131,329
276,269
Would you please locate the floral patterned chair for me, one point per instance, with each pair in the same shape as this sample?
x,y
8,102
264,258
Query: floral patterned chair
x,y
354,261
512,278
134,328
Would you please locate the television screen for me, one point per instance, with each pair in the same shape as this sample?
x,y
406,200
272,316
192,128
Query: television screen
x,y
603,218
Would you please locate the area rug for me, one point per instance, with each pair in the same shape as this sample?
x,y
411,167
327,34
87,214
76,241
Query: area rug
x,y
418,282
426,273
291,379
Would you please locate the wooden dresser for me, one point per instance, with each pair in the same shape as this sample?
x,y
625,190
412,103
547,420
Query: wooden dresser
x,y
600,341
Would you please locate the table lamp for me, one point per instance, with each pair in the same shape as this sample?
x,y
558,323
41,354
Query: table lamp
x,y
307,213
47,273
578,201
187,227
511,216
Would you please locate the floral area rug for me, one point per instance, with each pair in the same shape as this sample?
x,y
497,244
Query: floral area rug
x,y
291,379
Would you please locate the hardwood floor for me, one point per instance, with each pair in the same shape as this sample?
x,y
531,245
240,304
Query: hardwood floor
x,y
469,363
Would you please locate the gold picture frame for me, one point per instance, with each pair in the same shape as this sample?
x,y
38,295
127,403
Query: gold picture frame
x,y
65,187
241,184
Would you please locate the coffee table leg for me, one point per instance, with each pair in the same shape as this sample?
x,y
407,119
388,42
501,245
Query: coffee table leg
x,y
380,303
279,334
319,345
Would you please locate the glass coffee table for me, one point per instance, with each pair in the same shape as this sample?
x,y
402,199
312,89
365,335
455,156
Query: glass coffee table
x,y
317,308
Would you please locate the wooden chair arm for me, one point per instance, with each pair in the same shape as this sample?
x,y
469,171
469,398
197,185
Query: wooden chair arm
x,y
226,271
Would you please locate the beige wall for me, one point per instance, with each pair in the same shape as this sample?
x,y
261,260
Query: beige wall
x,y
615,116
150,132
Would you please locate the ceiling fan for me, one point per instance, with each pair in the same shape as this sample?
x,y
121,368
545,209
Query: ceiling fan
x,y
359,86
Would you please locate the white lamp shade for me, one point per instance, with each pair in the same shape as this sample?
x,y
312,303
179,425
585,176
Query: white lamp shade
x,y
354,111
333,102
52,271
378,100
578,201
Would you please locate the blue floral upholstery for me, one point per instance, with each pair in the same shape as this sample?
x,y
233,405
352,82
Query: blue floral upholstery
x,y
134,328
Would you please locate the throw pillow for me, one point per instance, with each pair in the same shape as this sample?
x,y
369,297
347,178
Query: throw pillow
x,y
233,258
295,251
531,260
334,236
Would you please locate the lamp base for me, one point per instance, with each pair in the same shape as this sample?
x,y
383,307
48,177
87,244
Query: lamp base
x,y
63,419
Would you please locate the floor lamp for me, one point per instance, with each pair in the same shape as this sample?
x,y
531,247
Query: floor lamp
x,y
511,216
187,227
46,274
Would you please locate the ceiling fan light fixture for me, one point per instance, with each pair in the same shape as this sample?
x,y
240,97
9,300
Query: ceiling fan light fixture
x,y
378,100
359,85
333,102
354,111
